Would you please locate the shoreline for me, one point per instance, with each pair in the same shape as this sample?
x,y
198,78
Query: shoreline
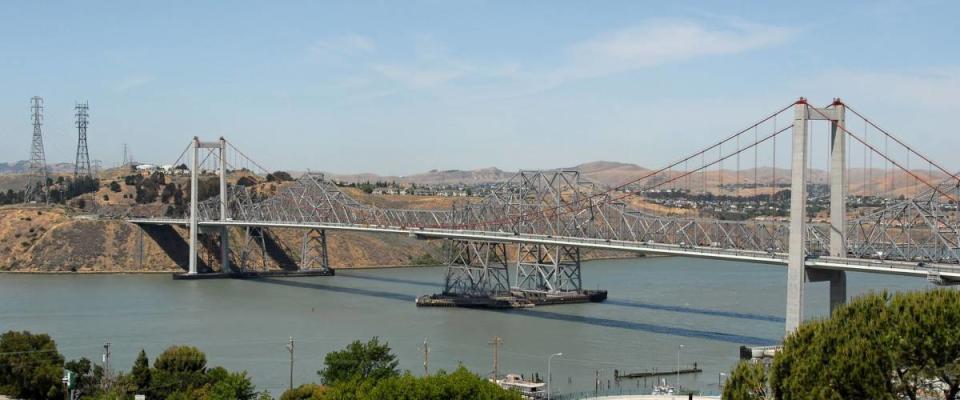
x,y
122,272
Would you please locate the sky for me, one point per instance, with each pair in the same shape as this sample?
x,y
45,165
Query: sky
x,y
399,87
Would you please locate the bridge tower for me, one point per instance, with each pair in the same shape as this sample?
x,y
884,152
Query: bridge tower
x,y
797,272
221,153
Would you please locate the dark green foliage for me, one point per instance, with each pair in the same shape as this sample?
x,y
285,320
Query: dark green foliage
x,y
747,382
460,385
88,376
279,176
140,373
246,181
879,346
168,193
208,187
360,361
114,187
307,391
30,366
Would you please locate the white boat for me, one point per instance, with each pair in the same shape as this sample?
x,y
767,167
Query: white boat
x,y
527,389
663,388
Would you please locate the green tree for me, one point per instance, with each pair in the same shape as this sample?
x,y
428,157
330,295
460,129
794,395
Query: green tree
x,y
178,369
879,346
115,187
30,366
140,373
460,385
360,361
226,385
307,391
748,381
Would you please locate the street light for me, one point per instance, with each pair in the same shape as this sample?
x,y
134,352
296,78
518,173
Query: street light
x,y
548,371
678,366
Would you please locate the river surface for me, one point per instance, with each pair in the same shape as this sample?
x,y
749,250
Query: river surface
x,y
655,305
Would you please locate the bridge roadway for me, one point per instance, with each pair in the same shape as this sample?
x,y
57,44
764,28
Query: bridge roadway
x,y
946,272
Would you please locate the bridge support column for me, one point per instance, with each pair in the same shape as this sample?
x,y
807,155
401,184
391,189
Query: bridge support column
x,y
194,176
224,199
838,284
313,253
796,257
476,269
553,269
838,182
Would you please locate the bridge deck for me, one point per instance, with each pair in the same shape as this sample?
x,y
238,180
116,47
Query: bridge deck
x,y
945,271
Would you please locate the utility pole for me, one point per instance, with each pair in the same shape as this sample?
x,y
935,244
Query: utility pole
x,y
496,343
426,358
106,366
123,161
290,349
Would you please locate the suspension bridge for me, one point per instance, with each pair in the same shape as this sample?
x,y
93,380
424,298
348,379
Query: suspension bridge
x,y
888,209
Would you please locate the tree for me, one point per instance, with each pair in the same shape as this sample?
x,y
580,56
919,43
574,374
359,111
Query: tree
x,y
879,346
307,391
30,366
460,385
88,376
246,181
178,369
359,361
140,374
226,385
115,187
279,176
748,381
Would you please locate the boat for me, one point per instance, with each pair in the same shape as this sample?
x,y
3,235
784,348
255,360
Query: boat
x,y
527,389
663,388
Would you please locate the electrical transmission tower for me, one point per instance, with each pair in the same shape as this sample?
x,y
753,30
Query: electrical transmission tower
x,y
36,189
82,165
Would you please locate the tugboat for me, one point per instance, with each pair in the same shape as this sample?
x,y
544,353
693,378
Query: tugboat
x,y
527,389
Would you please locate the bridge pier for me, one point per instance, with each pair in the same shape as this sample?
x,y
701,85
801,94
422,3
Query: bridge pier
x,y
476,269
313,252
551,269
837,281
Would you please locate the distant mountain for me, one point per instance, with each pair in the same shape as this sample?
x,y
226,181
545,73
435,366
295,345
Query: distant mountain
x,y
432,177
611,173
20,167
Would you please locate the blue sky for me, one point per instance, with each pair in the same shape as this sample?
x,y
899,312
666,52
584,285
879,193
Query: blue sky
x,y
403,87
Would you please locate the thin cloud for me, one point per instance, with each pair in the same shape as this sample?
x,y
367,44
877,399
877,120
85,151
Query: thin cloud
x,y
338,47
422,76
662,42
132,82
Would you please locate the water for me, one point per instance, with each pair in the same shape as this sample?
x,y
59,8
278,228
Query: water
x,y
655,305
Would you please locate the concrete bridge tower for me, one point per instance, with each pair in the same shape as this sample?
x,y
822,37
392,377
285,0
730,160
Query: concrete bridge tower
x,y
797,272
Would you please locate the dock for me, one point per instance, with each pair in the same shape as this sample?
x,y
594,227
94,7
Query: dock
x,y
647,374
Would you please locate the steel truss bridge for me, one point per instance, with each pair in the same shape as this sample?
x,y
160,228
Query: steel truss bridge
x,y
547,217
